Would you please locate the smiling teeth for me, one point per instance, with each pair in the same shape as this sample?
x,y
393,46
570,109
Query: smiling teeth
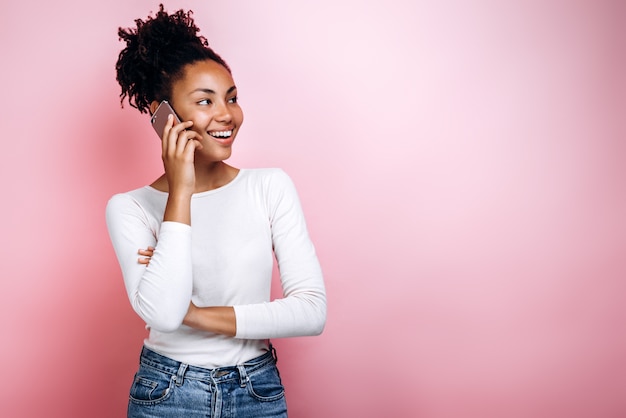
x,y
222,134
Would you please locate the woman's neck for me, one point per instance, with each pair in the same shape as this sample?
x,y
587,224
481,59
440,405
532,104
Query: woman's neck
x,y
208,177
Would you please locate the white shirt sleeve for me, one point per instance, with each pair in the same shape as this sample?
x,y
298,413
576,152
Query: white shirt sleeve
x,y
159,293
302,310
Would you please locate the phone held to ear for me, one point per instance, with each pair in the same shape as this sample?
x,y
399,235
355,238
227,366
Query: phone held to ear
x,y
159,118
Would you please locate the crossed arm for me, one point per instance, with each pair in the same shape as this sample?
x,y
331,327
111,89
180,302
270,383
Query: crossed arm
x,y
216,319
178,146
161,294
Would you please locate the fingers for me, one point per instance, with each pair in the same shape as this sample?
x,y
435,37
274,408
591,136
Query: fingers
x,y
147,253
166,133
179,139
178,154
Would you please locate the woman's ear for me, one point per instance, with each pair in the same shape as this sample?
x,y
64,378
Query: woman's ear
x,y
153,107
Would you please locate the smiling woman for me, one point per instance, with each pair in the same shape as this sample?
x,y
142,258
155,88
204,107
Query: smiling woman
x,y
206,233
205,97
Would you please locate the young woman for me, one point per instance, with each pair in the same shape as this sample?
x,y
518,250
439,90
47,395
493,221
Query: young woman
x,y
207,234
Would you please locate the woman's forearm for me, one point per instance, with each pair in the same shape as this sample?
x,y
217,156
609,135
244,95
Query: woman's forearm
x,y
178,208
216,319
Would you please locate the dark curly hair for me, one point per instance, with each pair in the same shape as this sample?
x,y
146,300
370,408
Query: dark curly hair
x,y
156,52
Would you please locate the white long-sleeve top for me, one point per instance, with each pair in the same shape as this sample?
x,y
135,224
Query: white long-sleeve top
x,y
225,258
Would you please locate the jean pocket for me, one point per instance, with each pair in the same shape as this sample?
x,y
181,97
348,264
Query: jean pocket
x,y
151,386
265,385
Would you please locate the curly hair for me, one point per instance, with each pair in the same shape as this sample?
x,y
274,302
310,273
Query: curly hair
x,y
156,52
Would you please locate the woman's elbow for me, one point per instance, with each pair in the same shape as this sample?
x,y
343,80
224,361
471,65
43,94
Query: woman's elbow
x,y
318,318
318,328
165,323
162,319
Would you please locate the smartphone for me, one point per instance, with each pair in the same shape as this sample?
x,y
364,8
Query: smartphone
x,y
159,118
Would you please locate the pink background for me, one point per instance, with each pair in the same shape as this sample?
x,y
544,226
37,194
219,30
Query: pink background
x,y
461,165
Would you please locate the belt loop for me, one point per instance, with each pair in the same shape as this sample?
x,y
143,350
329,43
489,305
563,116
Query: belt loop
x,y
181,373
243,376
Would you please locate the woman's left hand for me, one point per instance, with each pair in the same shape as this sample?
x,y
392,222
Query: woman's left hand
x,y
147,255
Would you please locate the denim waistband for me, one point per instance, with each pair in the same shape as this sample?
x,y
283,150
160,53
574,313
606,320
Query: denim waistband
x,y
182,371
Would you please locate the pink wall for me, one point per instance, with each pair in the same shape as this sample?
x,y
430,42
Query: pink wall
x,y
461,164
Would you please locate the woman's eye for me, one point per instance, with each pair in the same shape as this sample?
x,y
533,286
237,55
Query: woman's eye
x,y
233,100
204,102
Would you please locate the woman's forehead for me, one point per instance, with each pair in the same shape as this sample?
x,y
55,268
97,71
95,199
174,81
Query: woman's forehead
x,y
205,75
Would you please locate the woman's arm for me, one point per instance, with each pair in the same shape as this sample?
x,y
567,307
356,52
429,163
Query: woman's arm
x,y
302,310
159,291
177,151
216,319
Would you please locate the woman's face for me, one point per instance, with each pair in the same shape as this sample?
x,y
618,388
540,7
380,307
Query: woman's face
x,y
207,95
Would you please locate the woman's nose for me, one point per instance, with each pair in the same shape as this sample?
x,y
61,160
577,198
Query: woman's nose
x,y
223,113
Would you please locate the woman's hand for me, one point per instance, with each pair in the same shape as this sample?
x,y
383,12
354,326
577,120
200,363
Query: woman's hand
x,y
147,255
178,147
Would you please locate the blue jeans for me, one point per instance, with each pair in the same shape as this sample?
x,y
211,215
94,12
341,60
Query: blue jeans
x,y
167,388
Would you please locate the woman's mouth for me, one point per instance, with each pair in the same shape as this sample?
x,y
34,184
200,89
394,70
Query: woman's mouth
x,y
221,134
225,138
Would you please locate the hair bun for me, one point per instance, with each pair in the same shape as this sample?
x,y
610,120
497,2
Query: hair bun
x,y
156,51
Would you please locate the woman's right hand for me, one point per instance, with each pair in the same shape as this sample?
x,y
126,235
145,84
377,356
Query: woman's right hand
x,y
178,147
